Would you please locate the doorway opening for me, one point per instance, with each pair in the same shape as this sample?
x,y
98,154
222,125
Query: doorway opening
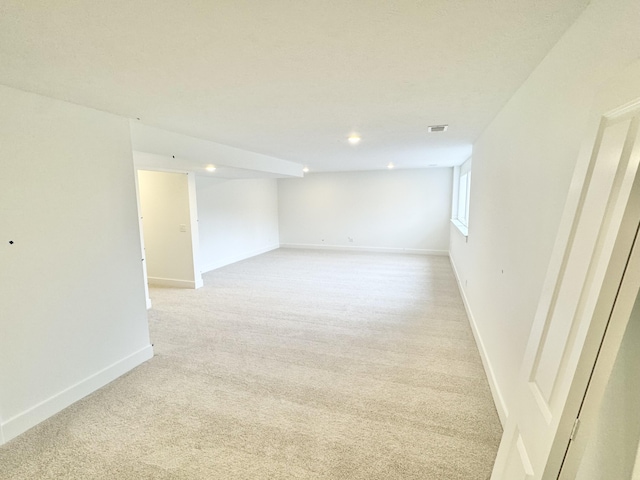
x,y
169,228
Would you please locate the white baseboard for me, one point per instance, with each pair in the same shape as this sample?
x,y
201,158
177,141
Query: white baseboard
x,y
498,399
22,422
173,282
223,262
357,248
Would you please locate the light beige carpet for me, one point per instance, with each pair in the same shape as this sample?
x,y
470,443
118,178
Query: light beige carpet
x,y
293,364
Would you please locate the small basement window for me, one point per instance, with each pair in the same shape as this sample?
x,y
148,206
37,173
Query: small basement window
x,y
461,197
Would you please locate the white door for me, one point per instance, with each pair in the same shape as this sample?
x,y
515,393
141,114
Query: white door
x,y
588,263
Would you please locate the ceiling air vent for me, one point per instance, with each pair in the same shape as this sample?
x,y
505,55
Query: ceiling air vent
x,y
438,128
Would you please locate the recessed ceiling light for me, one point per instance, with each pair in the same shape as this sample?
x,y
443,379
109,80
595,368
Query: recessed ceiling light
x,y
354,139
210,168
437,128
390,166
305,169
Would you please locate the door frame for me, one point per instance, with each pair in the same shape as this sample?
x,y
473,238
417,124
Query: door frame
x,y
601,347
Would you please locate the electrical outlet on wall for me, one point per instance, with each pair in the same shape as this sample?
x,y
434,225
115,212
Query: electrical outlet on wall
x,y
350,239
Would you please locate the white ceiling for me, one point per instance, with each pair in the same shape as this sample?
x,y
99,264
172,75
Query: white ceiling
x,y
289,78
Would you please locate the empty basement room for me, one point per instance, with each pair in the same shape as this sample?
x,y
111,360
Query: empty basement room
x,y
320,240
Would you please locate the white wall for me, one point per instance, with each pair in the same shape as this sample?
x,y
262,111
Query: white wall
x,y
142,252
72,308
397,210
237,219
611,452
169,222
522,167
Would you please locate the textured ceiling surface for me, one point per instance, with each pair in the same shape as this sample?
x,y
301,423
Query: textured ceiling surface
x,y
290,78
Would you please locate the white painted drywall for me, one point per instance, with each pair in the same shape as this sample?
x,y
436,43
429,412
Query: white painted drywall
x,y
72,307
142,250
522,168
612,450
238,219
397,210
169,221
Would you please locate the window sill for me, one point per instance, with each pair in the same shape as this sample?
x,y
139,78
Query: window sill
x,y
464,230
